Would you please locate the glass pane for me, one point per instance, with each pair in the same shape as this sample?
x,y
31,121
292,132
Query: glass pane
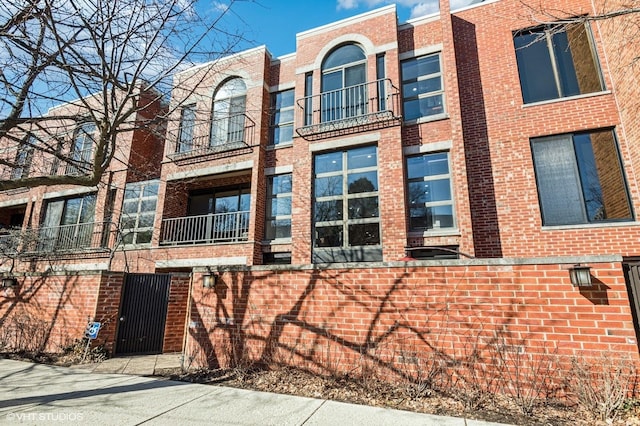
x,y
364,235
128,238
327,211
226,203
328,186
280,184
331,162
284,99
561,199
537,78
427,165
420,87
423,218
603,183
150,190
71,211
130,206
439,190
360,208
245,202
328,236
145,220
343,55
131,192
564,62
282,134
362,157
200,204
88,209
423,107
362,182
283,116
414,68
279,207
233,87
143,237
148,206
278,229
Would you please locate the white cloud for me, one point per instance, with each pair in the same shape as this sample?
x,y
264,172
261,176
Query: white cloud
x,y
425,8
418,7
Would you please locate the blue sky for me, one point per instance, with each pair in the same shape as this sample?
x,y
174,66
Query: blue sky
x,y
275,23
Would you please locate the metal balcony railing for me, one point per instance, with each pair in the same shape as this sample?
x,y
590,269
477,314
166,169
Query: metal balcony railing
x,y
67,238
206,229
347,110
221,134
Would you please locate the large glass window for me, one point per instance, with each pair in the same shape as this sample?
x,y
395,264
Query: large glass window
x,y
229,104
81,149
139,212
430,192
68,224
422,91
346,212
580,179
187,125
555,62
282,117
344,77
278,207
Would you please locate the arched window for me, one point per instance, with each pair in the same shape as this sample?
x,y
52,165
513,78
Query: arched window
x,y
229,104
344,77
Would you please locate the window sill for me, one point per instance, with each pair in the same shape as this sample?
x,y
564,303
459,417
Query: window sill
x,y
435,233
568,98
276,241
272,147
428,119
590,225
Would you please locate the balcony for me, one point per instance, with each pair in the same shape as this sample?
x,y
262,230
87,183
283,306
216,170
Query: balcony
x,y
222,135
83,237
352,109
206,229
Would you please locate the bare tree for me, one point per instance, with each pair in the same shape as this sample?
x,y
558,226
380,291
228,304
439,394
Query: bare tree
x,y
110,62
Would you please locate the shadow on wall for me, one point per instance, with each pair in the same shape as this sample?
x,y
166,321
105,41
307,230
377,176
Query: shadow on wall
x,y
482,196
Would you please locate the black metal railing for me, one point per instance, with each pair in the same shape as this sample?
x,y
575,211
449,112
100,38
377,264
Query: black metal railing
x,y
369,104
226,133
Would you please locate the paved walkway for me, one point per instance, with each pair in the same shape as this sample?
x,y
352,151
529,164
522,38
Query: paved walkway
x,y
36,394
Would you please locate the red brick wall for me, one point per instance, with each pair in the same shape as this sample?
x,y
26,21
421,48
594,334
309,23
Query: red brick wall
x,y
47,313
176,313
328,319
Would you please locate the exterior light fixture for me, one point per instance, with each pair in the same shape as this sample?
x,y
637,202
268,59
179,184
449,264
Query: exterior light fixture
x,y
209,281
580,275
9,282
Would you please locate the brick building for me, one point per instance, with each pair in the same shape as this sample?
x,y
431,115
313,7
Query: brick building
x,y
388,188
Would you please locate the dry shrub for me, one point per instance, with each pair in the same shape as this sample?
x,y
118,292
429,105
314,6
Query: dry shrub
x,y
603,384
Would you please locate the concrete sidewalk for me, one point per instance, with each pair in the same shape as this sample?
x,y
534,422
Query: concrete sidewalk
x,y
42,394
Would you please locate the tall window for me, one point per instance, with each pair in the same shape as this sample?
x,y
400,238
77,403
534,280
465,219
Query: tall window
x,y
278,207
344,92
422,91
23,159
187,124
555,62
429,192
82,149
346,212
282,117
229,105
68,224
580,179
139,212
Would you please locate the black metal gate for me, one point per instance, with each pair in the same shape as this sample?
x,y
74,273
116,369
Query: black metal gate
x,y
143,313
632,276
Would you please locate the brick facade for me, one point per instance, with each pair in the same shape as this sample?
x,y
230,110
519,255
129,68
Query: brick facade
x,y
510,282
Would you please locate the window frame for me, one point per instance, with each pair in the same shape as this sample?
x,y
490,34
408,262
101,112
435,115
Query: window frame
x,y
270,197
138,189
579,172
81,148
546,34
427,204
186,145
278,112
431,94
346,249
